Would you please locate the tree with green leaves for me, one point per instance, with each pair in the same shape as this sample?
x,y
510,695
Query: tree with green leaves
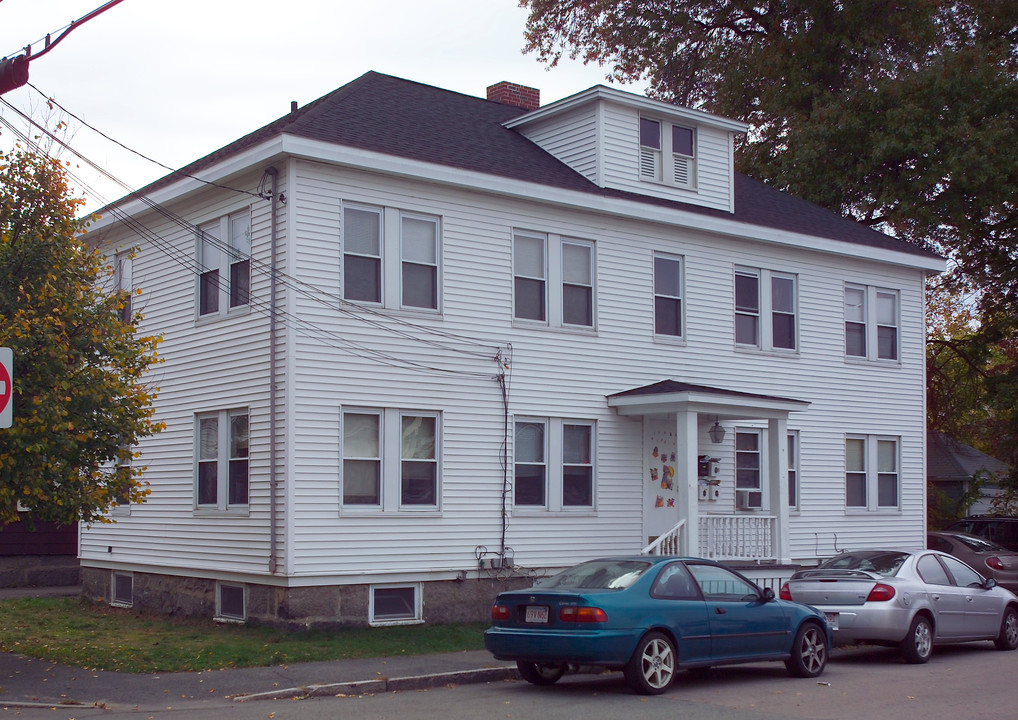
x,y
898,113
80,401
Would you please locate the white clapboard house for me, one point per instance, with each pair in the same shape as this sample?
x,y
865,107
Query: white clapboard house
x,y
421,346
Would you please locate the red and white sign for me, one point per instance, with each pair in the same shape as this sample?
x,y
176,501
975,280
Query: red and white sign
x,y
6,387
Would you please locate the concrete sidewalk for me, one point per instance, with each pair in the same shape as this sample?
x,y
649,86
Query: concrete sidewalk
x,y
28,682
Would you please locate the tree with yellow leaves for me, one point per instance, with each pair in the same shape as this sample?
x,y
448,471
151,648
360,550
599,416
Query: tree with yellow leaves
x,y
80,403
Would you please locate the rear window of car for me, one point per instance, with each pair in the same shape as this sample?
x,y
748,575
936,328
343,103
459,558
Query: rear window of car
x,y
598,575
979,544
882,563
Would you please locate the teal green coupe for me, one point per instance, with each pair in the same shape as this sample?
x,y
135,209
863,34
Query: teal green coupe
x,y
651,616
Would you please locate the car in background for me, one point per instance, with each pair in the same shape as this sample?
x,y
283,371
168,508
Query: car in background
x,y
1001,530
910,599
651,616
985,556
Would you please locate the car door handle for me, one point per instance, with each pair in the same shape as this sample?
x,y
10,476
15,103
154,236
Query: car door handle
x,y
720,611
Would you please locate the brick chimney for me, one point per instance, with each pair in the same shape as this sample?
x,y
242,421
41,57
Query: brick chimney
x,y
509,93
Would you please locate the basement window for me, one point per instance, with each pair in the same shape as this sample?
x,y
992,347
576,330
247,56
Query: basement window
x,y
230,603
123,589
395,605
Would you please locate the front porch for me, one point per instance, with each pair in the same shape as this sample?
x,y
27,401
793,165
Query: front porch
x,y
732,507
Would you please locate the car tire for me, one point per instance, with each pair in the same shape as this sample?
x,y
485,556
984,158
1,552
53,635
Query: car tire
x,y
809,651
917,646
541,673
1008,637
652,668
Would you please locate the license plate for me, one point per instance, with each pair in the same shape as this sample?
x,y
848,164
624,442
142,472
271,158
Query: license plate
x,y
832,620
536,614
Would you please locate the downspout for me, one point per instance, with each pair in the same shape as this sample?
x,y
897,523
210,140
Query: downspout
x,y
273,480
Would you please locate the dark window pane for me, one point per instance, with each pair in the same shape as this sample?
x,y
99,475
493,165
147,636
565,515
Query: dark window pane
x,y
231,601
792,489
667,316
208,483
855,339
887,343
240,283
362,278
784,331
887,490
419,483
747,293
746,329
529,299
394,604
208,294
125,312
577,305
855,489
420,286
682,141
650,133
577,486
667,277
361,482
237,494
123,588
529,482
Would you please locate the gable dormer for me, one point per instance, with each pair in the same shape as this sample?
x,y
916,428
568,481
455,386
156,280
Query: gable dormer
x,y
628,142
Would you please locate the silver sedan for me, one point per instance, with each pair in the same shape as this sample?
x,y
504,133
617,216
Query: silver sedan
x,y
910,599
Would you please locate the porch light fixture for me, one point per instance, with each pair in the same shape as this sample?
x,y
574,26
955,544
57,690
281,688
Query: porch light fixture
x,y
716,432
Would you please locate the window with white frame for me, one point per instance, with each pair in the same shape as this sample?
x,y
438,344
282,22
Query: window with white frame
x,y
123,275
541,262
871,322
553,464
872,478
748,470
222,460
123,589
231,602
362,254
668,318
391,257
667,152
765,309
375,443
395,604
224,255
793,469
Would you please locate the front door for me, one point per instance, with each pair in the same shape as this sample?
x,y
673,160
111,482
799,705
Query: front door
x,y
661,507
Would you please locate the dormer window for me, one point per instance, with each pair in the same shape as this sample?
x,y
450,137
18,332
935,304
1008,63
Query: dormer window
x,y
667,153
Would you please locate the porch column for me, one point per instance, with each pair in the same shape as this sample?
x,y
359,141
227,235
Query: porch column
x,y
686,479
777,441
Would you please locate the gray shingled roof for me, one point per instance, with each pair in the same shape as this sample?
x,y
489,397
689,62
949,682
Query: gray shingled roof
x,y
949,459
411,120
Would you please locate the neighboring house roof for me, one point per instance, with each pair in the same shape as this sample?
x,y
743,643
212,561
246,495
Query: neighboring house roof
x,y
419,122
948,459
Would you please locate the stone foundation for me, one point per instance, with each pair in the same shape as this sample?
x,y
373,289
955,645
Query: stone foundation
x,y
39,571
443,602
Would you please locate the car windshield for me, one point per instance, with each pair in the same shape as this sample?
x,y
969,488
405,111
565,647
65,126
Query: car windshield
x,y
881,562
979,544
598,575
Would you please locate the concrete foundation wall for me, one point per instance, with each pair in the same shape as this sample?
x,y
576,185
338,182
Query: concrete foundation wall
x,y
443,602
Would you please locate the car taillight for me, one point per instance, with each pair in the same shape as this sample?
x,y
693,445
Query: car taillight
x,y
880,592
994,562
573,613
499,612
785,593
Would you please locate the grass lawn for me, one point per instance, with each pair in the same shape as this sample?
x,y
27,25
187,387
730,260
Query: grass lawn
x,y
91,635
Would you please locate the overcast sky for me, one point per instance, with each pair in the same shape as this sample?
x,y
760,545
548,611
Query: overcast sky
x,y
177,80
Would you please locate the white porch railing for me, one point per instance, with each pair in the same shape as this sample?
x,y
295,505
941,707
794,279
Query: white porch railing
x,y
668,544
737,537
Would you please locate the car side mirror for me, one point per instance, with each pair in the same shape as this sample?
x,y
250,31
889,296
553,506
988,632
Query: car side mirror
x,y
767,594
990,583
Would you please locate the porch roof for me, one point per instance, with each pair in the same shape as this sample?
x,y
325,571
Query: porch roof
x,y
671,396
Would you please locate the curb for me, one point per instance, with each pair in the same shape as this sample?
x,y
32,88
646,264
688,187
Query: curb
x,y
362,687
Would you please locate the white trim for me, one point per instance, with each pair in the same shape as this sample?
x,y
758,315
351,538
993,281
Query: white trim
x,y
418,609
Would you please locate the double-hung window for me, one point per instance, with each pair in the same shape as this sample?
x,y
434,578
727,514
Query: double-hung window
x,y
390,460
766,309
541,262
391,257
871,322
224,255
668,295
748,470
872,477
123,271
222,460
553,464
667,153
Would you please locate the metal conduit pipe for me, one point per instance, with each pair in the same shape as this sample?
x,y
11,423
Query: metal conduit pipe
x,y
273,480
